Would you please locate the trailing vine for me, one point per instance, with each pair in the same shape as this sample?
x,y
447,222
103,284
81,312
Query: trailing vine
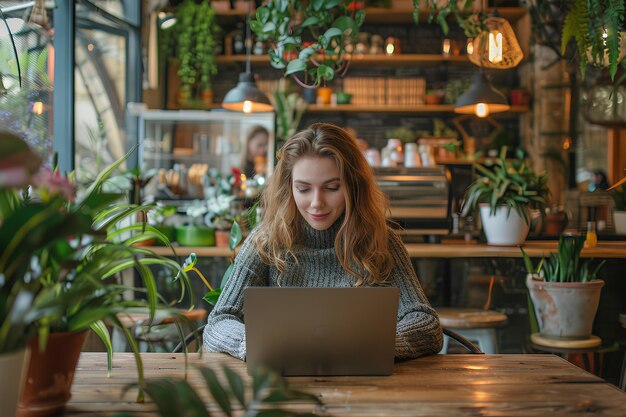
x,y
192,42
309,38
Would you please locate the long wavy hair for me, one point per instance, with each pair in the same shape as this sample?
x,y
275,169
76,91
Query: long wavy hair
x,y
361,244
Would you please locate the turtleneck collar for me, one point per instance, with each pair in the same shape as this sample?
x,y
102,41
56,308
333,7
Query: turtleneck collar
x,y
319,239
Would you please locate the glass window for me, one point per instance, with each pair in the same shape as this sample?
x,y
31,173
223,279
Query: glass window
x,y
26,75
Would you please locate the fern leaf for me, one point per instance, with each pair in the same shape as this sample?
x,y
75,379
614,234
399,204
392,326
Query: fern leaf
x,y
614,17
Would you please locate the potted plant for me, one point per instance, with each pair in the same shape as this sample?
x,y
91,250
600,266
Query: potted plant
x,y
565,292
59,253
159,217
220,217
618,192
289,108
331,24
505,191
196,232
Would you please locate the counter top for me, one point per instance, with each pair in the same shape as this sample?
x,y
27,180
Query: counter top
x,y
447,249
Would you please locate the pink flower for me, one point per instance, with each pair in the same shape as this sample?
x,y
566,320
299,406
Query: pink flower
x,y
50,184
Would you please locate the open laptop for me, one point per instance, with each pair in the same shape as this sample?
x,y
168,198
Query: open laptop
x,y
321,331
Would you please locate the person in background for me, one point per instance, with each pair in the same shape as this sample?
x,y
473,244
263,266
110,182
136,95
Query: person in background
x,y
324,225
598,181
256,151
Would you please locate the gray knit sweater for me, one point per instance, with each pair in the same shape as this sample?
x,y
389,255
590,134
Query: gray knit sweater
x,y
418,331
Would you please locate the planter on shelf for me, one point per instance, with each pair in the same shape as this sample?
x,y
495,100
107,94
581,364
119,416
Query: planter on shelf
x,y
50,374
195,236
564,292
13,367
505,191
167,230
222,238
555,223
505,227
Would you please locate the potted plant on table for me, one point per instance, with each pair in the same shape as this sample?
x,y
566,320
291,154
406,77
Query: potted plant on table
x,y
565,291
59,254
505,191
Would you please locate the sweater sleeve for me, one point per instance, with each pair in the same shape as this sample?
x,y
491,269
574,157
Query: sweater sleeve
x,y
225,330
418,331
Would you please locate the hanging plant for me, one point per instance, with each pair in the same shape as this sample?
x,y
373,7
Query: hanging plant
x,y
192,41
309,38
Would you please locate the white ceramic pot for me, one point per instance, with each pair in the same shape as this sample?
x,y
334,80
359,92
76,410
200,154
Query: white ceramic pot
x,y
13,367
620,222
565,310
505,227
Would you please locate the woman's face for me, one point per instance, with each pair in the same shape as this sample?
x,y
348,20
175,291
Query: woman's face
x,y
257,146
318,191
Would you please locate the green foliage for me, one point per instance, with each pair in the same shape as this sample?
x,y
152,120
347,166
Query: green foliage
x,y
59,255
330,23
289,107
405,135
193,44
269,393
565,265
507,183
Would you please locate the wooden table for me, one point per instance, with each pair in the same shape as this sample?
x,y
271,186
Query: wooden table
x,y
438,385
454,249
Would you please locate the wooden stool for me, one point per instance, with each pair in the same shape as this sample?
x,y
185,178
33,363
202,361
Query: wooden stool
x,y
473,324
573,349
160,332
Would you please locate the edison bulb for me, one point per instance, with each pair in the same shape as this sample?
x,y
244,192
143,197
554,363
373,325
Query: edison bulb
x,y
247,106
495,47
482,110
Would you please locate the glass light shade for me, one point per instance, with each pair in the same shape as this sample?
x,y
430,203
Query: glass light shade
x,y
481,99
605,103
246,97
497,47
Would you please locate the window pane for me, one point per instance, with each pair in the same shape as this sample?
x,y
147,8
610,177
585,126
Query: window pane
x,y
100,88
26,109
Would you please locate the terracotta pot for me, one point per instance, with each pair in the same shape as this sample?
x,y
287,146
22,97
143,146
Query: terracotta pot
x,y
50,374
221,238
565,310
13,366
555,223
207,96
324,94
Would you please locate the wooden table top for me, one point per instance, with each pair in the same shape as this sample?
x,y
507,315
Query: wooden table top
x,y
437,385
450,249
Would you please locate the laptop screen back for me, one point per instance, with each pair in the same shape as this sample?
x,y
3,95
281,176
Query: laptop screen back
x,y
321,331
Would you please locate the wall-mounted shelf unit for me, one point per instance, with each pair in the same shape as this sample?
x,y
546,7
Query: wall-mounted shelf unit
x,y
358,60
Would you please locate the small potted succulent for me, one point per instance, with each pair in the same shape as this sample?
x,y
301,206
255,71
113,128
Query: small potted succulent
x,y
505,191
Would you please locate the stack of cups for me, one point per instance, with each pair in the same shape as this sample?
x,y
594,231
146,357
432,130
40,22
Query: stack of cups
x,y
411,158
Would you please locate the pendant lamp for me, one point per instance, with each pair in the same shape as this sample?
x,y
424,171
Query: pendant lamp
x,y
246,97
481,99
497,47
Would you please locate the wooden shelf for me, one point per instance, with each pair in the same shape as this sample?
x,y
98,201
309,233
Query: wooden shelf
x,y
397,108
394,15
448,249
405,14
361,60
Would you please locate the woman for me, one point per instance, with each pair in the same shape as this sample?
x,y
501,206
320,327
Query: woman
x,y
256,151
324,226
